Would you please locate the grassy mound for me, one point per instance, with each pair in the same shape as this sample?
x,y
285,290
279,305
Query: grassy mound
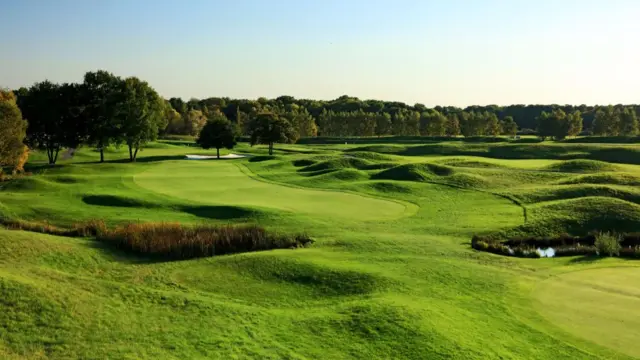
x,y
566,192
578,217
604,178
389,187
116,201
324,281
582,166
469,180
369,155
414,172
29,184
382,149
337,164
344,175
464,162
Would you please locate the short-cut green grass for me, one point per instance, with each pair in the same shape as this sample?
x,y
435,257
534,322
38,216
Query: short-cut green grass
x,y
391,273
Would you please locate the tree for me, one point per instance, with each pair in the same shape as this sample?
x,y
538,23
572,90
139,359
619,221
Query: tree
x,y
412,123
575,123
269,128
433,123
493,127
453,125
140,111
606,122
193,122
628,122
56,117
217,133
383,124
175,122
509,126
397,124
302,122
12,131
545,125
101,99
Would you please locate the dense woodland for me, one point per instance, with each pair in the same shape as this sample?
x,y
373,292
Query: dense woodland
x,y
106,110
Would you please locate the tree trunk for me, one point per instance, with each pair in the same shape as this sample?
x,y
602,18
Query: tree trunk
x,y
55,158
135,154
131,159
270,148
101,155
50,155
218,149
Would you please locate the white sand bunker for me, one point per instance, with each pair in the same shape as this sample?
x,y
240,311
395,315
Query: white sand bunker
x,y
209,157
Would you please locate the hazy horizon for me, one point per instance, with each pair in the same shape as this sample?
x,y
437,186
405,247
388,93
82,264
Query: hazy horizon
x,y
457,53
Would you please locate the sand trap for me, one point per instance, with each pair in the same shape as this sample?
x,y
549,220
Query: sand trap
x,y
209,157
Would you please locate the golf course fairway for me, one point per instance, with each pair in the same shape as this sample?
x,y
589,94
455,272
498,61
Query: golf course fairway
x,y
223,182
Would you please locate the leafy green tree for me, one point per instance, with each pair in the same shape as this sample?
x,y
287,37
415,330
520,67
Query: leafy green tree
x,y
56,117
575,123
546,125
383,124
493,127
433,123
269,128
412,123
193,122
175,121
453,125
397,124
606,122
302,122
628,122
12,131
101,104
217,133
509,126
140,114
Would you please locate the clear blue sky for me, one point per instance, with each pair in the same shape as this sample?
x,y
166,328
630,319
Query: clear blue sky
x,y
440,52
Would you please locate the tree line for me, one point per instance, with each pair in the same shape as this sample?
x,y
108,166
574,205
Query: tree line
x,y
350,116
107,110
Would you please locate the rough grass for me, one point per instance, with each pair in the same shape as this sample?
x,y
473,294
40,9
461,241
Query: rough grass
x,y
613,178
581,166
414,172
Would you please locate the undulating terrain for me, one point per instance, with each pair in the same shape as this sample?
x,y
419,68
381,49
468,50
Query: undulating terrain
x,y
391,273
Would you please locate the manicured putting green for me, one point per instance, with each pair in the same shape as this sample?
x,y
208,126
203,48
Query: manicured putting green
x,y
223,182
601,305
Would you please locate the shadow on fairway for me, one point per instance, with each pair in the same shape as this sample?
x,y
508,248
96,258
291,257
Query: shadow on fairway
x,y
116,201
221,212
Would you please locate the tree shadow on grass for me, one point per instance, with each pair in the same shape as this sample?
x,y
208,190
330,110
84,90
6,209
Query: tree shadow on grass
x,y
586,259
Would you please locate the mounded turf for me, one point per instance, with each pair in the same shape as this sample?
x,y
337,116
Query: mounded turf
x,y
391,274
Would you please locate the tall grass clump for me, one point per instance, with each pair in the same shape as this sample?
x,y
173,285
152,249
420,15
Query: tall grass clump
x,y
608,244
176,241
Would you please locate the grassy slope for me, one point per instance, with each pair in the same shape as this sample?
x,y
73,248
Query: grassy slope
x,y
391,276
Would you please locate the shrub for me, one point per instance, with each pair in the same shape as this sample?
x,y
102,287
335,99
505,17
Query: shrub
x,y
175,241
608,244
